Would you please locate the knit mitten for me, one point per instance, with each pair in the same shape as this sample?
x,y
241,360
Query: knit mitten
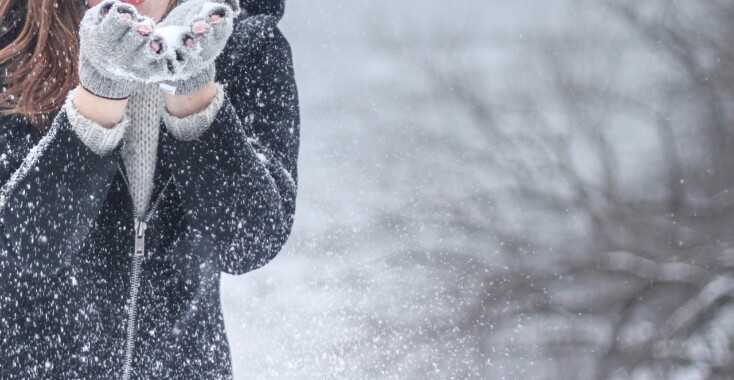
x,y
118,50
196,32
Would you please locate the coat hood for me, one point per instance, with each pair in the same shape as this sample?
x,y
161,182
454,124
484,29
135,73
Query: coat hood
x,y
264,7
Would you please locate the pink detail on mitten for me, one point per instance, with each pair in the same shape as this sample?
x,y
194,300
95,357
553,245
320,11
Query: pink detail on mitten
x,y
200,27
144,29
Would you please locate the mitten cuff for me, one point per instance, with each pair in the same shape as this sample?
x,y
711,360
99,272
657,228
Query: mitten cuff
x,y
99,139
193,126
194,83
100,85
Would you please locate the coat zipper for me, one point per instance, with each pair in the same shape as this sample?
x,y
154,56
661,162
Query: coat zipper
x,y
140,225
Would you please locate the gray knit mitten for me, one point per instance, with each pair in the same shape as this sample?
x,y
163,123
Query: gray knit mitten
x,y
196,32
116,53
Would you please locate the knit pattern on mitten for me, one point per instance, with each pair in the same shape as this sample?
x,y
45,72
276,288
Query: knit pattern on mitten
x,y
197,31
116,50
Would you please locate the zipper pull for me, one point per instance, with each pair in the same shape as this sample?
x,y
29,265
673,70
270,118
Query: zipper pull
x,y
140,227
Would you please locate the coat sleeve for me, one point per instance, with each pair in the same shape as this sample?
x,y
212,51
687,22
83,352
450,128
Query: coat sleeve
x,y
238,180
53,187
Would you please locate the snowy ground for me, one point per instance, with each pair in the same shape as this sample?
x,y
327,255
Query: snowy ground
x,y
338,302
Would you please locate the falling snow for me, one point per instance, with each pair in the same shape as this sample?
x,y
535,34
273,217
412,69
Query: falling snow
x,y
484,190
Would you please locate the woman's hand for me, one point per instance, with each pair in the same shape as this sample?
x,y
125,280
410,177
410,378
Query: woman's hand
x,y
197,32
118,50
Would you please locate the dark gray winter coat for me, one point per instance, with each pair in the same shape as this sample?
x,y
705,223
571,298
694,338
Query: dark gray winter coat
x,y
67,236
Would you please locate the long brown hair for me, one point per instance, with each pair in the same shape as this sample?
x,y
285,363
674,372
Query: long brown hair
x,y
39,65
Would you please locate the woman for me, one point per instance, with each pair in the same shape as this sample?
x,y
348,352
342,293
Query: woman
x,y
144,148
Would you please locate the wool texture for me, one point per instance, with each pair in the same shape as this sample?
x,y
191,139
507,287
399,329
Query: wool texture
x,y
99,139
139,128
113,58
194,66
192,127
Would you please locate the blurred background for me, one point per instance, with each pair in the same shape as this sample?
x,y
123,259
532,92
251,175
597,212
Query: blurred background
x,y
495,189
